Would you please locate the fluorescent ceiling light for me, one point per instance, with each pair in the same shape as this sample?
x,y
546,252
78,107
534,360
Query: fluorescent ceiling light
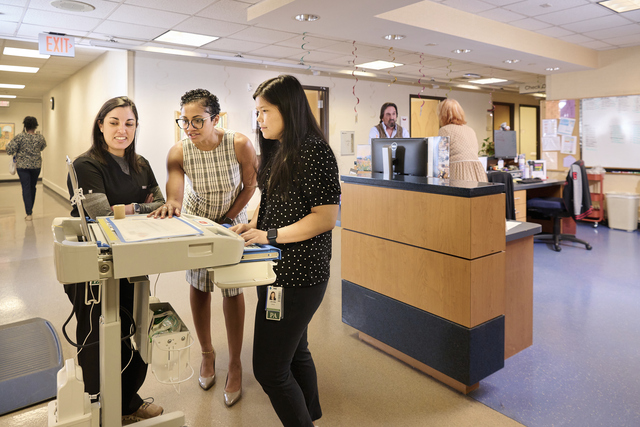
x,y
461,51
487,81
17,69
511,61
379,65
540,95
468,87
8,86
552,68
27,53
305,17
394,37
189,39
7,96
621,5
172,51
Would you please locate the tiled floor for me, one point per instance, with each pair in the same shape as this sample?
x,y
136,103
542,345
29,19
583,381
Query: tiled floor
x,y
359,385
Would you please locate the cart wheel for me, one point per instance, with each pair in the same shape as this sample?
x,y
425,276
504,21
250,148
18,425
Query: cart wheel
x,y
589,247
595,225
557,248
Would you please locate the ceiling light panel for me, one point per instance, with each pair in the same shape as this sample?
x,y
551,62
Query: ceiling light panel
x,y
379,65
10,86
188,39
621,5
487,81
305,17
468,87
7,96
18,69
26,53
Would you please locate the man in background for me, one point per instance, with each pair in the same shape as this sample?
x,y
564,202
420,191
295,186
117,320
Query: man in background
x,y
388,126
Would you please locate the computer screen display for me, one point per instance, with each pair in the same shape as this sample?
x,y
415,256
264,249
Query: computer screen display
x,y
505,143
409,155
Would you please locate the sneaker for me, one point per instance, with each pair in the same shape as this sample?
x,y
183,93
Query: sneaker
x,y
144,412
28,218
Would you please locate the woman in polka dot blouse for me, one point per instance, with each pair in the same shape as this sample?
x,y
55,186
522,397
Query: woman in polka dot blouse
x,y
298,178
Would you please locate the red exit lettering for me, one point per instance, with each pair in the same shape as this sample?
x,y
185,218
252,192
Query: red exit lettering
x,y
58,44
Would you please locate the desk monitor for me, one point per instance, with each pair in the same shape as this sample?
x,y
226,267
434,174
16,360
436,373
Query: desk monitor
x,y
505,143
409,157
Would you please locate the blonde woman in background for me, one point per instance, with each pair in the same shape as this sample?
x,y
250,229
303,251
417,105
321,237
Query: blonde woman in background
x,y
463,144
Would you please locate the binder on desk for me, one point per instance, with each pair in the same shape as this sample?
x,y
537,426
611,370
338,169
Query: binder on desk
x,y
257,252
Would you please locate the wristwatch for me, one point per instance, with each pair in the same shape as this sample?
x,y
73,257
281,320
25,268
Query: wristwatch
x,y
227,220
136,208
272,235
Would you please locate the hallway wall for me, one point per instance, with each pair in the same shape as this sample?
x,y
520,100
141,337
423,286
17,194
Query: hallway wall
x,y
15,113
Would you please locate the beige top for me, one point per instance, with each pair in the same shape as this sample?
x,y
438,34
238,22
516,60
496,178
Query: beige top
x,y
463,157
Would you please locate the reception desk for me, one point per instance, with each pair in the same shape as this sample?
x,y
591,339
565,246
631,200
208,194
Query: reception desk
x,y
424,268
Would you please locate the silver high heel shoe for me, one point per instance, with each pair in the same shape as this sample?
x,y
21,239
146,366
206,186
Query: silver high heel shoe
x,y
230,398
207,382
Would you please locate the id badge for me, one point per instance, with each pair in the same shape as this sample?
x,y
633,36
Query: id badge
x,y
274,303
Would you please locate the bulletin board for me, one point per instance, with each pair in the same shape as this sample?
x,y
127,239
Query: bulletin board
x,y
611,132
560,136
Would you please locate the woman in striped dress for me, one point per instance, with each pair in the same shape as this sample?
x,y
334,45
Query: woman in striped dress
x,y
220,166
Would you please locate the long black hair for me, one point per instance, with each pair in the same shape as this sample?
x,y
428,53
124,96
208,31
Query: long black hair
x,y
282,157
99,148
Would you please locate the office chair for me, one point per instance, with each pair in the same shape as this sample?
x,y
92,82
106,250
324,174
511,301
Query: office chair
x,y
507,179
575,202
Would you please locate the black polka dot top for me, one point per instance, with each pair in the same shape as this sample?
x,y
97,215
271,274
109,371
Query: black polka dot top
x,y
304,263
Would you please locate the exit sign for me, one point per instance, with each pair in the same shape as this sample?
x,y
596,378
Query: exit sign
x,y
4,103
56,45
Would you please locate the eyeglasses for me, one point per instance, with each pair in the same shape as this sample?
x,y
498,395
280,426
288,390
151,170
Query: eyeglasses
x,y
196,123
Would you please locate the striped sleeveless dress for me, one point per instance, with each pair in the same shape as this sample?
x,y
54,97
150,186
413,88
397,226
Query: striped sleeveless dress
x,y
214,180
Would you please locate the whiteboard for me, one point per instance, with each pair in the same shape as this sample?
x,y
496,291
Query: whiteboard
x,y
610,132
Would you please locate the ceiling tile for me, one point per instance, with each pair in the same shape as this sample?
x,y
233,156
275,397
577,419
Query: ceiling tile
x,y
623,41
597,44
633,16
62,20
311,43
534,7
273,51
597,24
501,2
530,24
501,15
31,31
232,45
210,27
102,8
267,36
145,16
8,28
186,7
123,30
555,32
11,13
471,6
626,30
576,38
314,56
227,10
576,14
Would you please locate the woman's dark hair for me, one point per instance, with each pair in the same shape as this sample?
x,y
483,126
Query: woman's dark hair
x,y
30,123
385,106
208,101
283,158
99,148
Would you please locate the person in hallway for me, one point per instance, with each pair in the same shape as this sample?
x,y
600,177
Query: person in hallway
x,y
300,194
221,167
111,173
27,148
463,144
388,126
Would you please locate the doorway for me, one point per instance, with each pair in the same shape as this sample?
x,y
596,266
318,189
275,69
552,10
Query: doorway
x,y
529,119
318,98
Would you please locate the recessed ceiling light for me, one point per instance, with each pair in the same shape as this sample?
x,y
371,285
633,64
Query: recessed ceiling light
x,y
306,17
7,96
511,61
468,87
393,37
552,68
487,81
473,75
18,69
72,6
189,39
461,51
27,53
8,86
431,44
379,65
621,5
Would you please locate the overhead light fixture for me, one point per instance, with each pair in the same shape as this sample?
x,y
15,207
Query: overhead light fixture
x,y
18,69
27,53
552,68
7,96
468,87
9,86
379,65
72,6
511,61
540,95
487,81
473,75
431,44
461,51
620,6
393,37
306,17
189,39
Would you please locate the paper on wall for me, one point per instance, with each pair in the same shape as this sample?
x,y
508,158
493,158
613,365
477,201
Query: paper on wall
x,y
550,143
568,161
569,144
549,127
551,158
566,126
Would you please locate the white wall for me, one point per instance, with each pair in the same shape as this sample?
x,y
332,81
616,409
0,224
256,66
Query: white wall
x,y
15,113
77,101
161,80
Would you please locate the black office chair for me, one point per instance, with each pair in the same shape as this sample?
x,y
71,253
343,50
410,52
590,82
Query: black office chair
x,y
507,179
575,202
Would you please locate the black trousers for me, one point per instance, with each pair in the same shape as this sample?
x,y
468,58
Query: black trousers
x,y
89,358
282,362
28,181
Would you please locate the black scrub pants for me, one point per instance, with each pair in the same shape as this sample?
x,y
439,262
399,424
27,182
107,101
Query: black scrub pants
x,y
89,358
282,362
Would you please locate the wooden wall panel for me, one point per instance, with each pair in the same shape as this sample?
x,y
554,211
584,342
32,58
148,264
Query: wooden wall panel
x,y
518,315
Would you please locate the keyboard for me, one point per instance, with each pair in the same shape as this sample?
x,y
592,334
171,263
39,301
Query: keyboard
x,y
529,181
